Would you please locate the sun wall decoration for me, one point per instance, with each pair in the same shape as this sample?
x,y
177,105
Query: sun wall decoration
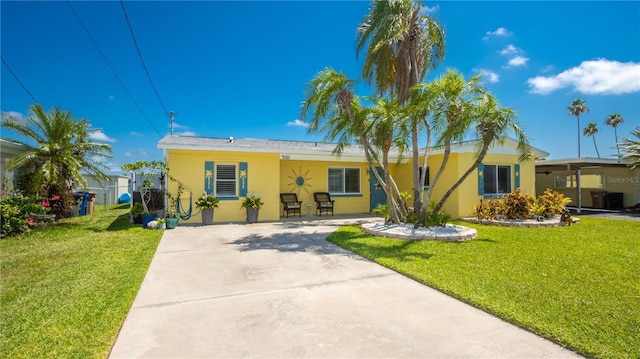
x,y
300,180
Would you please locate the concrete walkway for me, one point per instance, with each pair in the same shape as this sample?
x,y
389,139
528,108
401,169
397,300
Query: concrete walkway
x,y
279,290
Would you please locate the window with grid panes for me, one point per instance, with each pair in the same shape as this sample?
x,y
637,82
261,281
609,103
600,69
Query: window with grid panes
x,y
226,180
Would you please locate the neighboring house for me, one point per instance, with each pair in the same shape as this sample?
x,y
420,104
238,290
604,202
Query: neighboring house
x,y
109,191
231,169
8,151
604,183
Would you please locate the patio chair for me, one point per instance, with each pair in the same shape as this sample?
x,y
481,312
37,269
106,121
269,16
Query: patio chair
x,y
324,203
290,204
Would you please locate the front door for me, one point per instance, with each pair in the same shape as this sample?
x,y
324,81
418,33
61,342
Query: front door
x,y
377,195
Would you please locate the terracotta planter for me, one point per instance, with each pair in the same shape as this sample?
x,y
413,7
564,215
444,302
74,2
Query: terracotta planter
x,y
207,216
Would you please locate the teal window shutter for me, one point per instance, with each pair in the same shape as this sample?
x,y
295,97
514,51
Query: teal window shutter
x,y
243,179
516,175
481,179
208,177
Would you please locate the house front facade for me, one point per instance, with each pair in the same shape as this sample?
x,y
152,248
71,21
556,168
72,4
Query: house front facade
x,y
233,168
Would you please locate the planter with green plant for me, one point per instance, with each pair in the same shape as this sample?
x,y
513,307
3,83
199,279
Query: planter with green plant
x,y
137,211
207,203
252,203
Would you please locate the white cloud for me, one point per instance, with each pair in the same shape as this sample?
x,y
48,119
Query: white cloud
x,y
176,125
137,134
297,123
100,136
593,77
112,98
501,31
510,50
425,10
17,115
489,75
138,152
517,61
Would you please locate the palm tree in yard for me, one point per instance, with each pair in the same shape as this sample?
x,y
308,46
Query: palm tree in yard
x,y
60,153
591,130
331,107
631,148
577,108
614,120
493,125
401,44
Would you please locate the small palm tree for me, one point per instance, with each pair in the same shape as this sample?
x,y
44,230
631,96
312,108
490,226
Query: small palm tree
x,y
591,130
631,148
614,120
60,154
577,108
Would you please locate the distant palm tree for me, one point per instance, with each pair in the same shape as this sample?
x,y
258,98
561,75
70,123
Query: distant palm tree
x,y
614,120
631,148
577,108
62,151
591,130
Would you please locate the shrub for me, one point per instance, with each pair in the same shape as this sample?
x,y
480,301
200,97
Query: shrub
x,y
550,203
382,210
517,205
439,218
489,209
17,213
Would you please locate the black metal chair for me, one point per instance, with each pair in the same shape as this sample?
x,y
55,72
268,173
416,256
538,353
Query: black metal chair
x,y
324,203
290,204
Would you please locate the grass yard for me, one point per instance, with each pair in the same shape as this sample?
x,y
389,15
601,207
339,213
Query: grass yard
x,y
578,286
66,289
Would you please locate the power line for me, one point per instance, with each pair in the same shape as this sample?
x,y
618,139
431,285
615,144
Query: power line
x,y
112,69
144,65
18,80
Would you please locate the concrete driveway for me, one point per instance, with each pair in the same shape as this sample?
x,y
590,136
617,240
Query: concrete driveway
x,y
279,290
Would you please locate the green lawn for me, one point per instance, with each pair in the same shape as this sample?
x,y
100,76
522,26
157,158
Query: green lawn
x,y
578,285
66,289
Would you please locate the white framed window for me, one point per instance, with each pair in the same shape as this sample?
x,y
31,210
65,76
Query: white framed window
x,y
497,179
568,180
344,180
226,180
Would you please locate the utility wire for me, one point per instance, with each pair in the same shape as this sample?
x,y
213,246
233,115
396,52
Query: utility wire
x,y
112,69
144,65
18,80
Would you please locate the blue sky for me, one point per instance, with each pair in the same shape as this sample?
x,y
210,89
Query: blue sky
x,y
240,68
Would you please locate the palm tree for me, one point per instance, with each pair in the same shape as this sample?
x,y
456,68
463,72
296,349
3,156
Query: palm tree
x,y
332,108
577,108
452,101
591,130
61,152
401,44
494,123
631,148
614,120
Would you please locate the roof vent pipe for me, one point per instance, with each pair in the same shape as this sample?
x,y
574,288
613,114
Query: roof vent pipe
x,y
231,139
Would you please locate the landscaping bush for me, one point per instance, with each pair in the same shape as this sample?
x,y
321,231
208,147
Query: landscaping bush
x,y
550,203
17,212
517,205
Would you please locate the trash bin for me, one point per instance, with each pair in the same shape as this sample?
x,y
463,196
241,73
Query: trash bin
x,y
615,200
598,199
84,202
92,202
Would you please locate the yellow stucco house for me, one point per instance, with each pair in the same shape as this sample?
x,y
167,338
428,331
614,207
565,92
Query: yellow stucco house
x,y
232,168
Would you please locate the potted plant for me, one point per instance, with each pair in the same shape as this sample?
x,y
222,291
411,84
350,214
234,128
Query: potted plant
x,y
137,211
206,203
252,203
162,223
171,218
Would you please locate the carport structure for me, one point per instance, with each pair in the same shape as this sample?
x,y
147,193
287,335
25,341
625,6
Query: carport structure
x,y
600,183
